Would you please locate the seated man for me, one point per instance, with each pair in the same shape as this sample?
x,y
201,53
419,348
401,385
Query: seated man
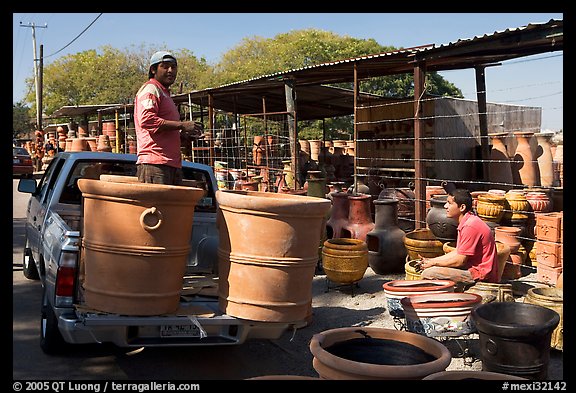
x,y
475,256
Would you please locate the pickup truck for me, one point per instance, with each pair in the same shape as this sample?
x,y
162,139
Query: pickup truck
x,y
53,250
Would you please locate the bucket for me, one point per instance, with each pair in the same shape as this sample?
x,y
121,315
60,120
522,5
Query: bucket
x,y
268,253
135,244
515,338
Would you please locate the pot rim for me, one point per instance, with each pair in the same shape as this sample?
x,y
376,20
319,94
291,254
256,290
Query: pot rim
x,y
416,285
427,344
441,300
512,329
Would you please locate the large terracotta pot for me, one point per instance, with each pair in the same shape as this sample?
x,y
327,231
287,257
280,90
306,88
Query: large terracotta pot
x,y
545,158
376,353
524,165
267,254
396,290
136,241
440,314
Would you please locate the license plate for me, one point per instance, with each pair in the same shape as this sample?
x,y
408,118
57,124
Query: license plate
x,y
179,331
16,161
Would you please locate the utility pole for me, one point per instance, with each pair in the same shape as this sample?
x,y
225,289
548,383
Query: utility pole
x,y
36,74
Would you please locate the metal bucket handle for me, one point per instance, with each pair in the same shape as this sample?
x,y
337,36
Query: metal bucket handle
x,y
154,212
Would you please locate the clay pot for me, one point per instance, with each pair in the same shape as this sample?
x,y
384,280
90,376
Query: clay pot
x,y
440,314
103,143
376,353
500,169
431,191
524,169
552,298
491,292
315,148
140,274
359,217
545,159
421,242
406,205
539,201
344,260
267,253
465,375
490,207
515,338
398,289
509,236
444,229
413,272
386,251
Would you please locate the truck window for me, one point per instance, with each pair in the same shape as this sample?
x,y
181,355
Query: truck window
x,y
46,185
92,170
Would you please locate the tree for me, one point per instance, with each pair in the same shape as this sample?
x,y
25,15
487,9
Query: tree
x,y
108,76
22,125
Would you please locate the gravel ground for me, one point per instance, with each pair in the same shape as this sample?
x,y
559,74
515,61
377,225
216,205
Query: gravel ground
x,y
365,305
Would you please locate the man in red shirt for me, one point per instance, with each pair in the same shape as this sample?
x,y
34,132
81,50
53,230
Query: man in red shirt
x,y
158,125
475,256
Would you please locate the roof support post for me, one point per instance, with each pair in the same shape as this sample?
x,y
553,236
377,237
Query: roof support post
x,y
356,89
419,169
482,120
292,130
211,128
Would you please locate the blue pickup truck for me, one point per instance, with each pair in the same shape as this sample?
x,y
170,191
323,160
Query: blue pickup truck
x,y
52,255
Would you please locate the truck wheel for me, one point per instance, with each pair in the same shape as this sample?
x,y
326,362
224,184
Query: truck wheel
x,y
51,340
28,265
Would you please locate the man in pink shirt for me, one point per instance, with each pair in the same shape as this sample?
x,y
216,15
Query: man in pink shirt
x,y
158,125
475,256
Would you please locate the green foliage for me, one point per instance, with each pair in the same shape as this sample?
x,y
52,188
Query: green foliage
x,y
113,76
22,121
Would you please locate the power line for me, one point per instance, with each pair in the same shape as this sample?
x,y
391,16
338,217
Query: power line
x,y
83,31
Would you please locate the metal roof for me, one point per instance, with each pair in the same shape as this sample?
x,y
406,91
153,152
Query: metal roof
x,y
246,96
315,100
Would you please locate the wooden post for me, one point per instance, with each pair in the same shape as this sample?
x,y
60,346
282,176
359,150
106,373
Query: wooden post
x,y
482,120
419,168
292,131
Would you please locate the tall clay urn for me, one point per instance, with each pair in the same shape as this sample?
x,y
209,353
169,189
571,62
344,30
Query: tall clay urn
x,y
444,229
357,353
267,254
525,166
500,168
545,158
339,215
136,240
386,251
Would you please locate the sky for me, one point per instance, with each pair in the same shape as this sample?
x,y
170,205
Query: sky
x,y
532,81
